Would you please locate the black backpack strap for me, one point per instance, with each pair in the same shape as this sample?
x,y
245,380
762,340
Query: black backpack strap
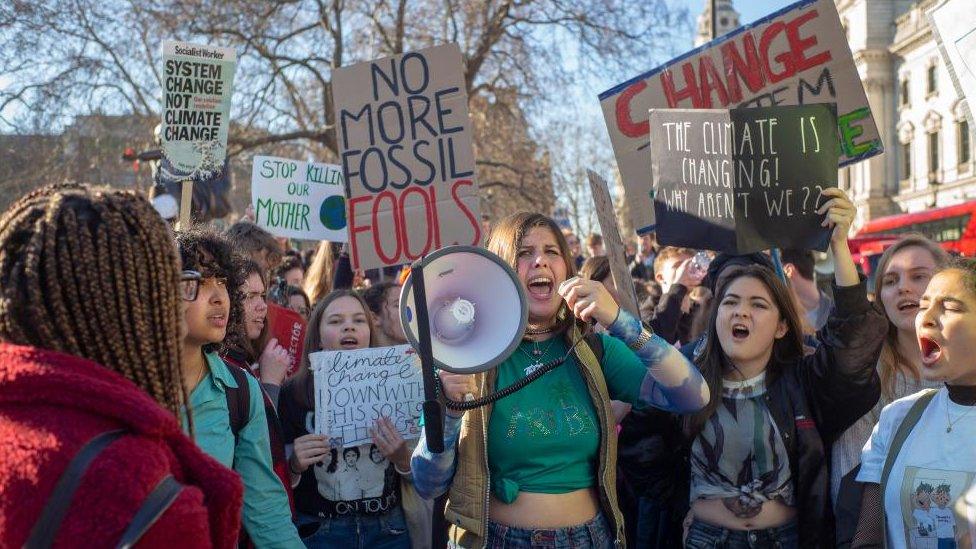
x,y
156,503
47,526
238,400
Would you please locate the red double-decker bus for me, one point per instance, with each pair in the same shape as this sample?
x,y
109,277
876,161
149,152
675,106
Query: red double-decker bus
x,y
953,227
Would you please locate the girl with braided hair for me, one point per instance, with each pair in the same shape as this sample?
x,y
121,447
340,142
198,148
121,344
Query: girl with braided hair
x,y
215,311
90,301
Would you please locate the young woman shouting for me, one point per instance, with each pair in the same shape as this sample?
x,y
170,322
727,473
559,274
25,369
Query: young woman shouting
x,y
539,466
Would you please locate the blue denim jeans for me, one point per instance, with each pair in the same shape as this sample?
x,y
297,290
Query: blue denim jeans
x,y
595,533
702,535
387,531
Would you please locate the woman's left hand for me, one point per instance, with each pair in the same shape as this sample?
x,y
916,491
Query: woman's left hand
x,y
589,300
390,443
840,214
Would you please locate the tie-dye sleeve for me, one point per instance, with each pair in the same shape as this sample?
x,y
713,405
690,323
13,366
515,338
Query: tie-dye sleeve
x,y
668,380
433,473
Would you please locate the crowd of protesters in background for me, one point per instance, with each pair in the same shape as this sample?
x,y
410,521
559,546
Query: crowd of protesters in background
x,y
740,396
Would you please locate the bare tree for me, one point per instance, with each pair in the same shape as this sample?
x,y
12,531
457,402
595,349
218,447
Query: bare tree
x,y
61,58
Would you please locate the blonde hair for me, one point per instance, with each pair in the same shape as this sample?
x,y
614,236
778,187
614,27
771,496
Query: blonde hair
x,y
892,362
318,278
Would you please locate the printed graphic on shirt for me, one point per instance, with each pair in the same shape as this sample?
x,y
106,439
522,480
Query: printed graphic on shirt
x,y
566,419
357,480
927,500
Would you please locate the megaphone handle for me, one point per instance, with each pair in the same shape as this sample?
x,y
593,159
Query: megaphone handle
x,y
433,410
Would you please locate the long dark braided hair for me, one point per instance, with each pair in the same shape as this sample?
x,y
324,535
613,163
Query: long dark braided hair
x,y
94,273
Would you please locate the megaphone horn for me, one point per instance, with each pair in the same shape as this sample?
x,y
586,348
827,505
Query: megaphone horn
x,y
476,306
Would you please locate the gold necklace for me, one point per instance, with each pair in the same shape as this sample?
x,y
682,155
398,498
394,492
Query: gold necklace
x,y
536,357
949,423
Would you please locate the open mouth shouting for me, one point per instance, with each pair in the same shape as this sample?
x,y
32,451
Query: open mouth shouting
x,y
931,350
907,306
740,332
349,342
540,288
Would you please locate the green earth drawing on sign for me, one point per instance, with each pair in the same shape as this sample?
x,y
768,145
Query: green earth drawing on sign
x,y
333,212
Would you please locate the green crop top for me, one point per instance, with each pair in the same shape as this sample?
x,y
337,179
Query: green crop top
x,y
545,438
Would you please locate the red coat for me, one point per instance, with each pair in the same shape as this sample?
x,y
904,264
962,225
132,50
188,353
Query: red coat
x,y
51,404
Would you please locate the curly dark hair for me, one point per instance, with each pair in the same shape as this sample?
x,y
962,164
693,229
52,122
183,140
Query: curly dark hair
x,y
236,340
210,253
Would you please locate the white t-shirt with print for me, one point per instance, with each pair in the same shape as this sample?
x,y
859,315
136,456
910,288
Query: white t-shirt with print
x,y
932,467
945,520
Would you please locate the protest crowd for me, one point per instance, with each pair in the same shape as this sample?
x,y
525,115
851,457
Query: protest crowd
x,y
733,381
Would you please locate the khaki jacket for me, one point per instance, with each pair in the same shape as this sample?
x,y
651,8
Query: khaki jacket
x,y
467,504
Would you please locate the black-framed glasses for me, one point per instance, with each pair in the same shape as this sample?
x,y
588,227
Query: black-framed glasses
x,y
190,285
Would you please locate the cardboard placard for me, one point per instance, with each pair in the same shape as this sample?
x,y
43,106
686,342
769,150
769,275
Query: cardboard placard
x,y
355,388
288,327
743,180
796,56
406,145
954,26
616,252
296,199
197,85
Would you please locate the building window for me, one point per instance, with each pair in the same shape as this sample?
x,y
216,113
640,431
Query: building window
x,y
932,80
933,152
906,163
964,152
905,98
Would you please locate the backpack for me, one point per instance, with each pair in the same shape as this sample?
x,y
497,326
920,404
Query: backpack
x,y
238,400
46,528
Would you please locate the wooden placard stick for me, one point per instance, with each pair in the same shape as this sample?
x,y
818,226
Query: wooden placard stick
x,y
186,202
616,252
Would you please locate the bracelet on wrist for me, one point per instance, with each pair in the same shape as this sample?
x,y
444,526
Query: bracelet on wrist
x,y
642,339
401,473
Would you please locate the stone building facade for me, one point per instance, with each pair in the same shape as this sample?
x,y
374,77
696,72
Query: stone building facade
x,y
928,158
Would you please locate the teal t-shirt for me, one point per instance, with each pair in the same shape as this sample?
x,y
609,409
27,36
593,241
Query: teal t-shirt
x,y
545,438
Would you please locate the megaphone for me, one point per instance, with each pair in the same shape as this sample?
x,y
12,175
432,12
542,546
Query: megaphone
x,y
476,308
463,309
